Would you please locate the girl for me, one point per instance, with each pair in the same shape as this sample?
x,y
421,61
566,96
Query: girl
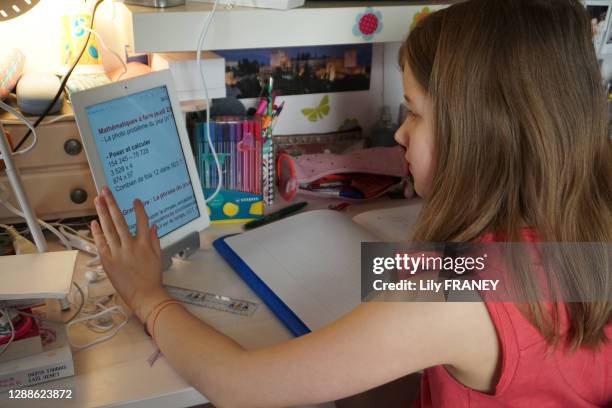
x,y
507,133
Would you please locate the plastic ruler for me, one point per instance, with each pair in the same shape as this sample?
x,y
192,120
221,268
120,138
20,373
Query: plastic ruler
x,y
212,301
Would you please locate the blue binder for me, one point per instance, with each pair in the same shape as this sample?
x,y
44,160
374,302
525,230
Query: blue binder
x,y
275,303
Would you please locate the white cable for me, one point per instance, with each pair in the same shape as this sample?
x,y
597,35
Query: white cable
x,y
25,122
18,213
92,314
115,309
10,322
81,234
96,325
103,44
201,41
94,261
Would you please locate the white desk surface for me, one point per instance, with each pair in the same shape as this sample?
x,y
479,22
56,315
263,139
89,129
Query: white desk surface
x,y
116,373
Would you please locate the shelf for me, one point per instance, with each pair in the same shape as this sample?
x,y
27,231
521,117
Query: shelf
x,y
320,23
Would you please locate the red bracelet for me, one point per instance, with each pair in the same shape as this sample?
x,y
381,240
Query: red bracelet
x,y
150,323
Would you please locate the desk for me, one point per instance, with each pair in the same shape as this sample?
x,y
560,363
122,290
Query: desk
x,y
116,373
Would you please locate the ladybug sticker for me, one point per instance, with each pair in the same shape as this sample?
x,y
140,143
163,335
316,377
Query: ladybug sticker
x,y
368,24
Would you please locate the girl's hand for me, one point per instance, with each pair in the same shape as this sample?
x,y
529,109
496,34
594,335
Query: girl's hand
x,y
133,264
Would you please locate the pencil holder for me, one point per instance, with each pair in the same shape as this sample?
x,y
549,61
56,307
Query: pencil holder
x,y
238,143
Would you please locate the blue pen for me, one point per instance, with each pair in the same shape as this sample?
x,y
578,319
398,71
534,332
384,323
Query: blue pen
x,y
227,178
351,193
228,161
201,156
278,110
238,156
218,137
198,151
213,166
204,151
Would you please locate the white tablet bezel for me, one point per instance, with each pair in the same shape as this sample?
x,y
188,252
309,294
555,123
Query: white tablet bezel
x,y
83,99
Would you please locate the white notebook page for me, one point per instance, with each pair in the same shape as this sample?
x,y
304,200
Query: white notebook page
x,y
311,261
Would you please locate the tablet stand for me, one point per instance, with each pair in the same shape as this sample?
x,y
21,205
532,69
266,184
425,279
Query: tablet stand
x,y
183,248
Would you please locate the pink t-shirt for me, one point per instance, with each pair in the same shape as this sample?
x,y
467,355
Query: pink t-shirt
x,y
531,375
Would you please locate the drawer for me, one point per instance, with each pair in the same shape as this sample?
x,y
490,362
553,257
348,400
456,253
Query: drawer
x,y
55,194
58,144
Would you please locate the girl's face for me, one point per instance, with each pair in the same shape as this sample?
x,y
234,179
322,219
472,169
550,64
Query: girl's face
x,y
416,134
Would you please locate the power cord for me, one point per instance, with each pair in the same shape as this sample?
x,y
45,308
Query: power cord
x,y
46,122
201,41
106,311
64,81
103,44
4,201
25,122
93,313
80,308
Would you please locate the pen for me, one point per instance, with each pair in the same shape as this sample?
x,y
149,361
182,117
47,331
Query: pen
x,y
232,155
270,104
262,107
278,110
277,215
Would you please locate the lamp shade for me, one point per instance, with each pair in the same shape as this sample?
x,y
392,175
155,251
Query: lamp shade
x,y
14,8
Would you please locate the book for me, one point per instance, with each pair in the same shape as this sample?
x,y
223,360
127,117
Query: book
x,y
53,363
188,82
307,267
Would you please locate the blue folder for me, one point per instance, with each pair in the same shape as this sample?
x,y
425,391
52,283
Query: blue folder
x,y
275,303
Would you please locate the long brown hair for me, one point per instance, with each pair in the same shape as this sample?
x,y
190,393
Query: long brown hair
x,y
521,137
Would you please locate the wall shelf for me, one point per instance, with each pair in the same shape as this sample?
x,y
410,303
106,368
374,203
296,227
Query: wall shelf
x,y
320,23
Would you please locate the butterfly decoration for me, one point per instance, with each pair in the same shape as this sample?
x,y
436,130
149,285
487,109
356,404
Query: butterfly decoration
x,y
319,112
419,16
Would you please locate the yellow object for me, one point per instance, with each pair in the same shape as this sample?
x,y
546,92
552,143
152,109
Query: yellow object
x,y
21,244
74,34
230,209
233,221
256,208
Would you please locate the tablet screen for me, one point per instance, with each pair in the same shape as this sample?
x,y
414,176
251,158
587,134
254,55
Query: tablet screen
x,y
142,157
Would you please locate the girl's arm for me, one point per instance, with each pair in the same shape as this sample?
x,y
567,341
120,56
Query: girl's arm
x,y
376,343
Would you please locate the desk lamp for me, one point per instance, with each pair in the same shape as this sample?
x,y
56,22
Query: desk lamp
x,y
12,174
13,8
10,9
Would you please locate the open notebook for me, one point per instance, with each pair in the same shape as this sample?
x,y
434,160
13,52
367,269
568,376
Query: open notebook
x,y
306,268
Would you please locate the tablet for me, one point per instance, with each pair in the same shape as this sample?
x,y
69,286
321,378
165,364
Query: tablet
x,y
136,143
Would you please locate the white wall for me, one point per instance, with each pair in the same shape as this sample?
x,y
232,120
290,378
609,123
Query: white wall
x,y
38,33
393,91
